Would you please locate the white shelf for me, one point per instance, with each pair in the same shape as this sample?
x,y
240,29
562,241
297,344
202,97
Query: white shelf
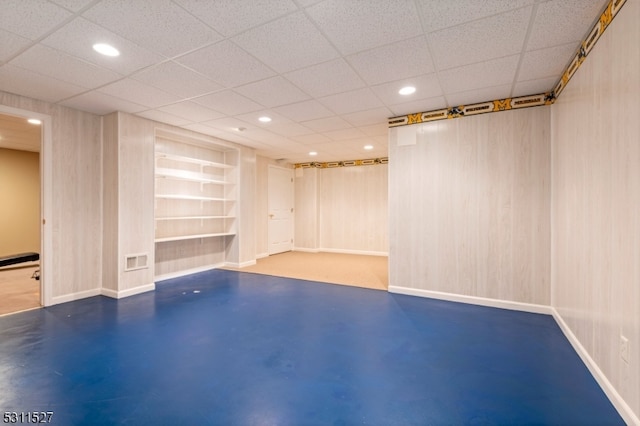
x,y
194,217
186,175
193,160
192,237
196,191
191,197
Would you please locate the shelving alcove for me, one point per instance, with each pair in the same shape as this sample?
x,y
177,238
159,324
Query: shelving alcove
x,y
195,203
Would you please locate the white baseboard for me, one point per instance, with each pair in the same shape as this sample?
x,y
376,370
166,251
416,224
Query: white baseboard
x,y
618,402
363,252
473,300
187,272
341,251
240,265
306,250
75,296
262,255
119,294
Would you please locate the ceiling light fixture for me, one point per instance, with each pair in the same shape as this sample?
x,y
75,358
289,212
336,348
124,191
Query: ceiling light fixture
x,y
265,119
106,49
408,90
34,121
312,153
368,147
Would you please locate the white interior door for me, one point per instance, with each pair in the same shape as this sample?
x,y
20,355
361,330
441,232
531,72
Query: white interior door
x,y
280,209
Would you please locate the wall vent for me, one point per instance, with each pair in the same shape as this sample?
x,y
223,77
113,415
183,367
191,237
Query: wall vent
x,y
134,262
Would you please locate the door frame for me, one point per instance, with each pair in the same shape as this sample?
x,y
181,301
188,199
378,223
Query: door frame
x,y
46,198
291,171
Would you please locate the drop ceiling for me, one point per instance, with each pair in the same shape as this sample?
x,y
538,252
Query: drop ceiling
x,y
327,72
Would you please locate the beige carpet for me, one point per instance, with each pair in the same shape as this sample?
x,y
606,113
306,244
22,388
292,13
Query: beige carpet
x,y
18,291
347,269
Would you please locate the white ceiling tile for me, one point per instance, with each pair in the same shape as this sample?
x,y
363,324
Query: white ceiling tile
x,y
326,79
327,124
191,111
230,17
228,102
214,62
202,128
139,93
101,104
163,117
535,87
59,65
273,92
231,125
264,136
357,25
368,117
305,3
479,95
492,73
334,151
290,129
157,25
562,21
11,44
252,118
353,101
344,134
177,79
420,105
377,130
72,5
31,19
437,15
542,63
31,84
303,111
311,138
78,37
427,87
407,58
289,43
467,44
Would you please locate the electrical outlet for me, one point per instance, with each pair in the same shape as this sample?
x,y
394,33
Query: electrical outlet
x,y
624,348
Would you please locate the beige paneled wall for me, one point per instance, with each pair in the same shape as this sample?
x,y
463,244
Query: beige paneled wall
x,y
76,215
110,205
241,250
596,203
19,201
342,209
353,209
470,207
306,226
128,158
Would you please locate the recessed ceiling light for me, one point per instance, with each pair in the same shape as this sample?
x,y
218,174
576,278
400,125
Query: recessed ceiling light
x,y
408,90
265,119
312,153
368,147
34,121
106,49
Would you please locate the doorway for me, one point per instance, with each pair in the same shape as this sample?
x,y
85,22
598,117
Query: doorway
x,y
280,209
22,146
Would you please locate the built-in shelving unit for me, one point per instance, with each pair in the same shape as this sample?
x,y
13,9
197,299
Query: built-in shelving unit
x,y
195,202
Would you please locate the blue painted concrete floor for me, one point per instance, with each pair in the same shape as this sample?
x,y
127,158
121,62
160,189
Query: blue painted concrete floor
x,y
233,348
